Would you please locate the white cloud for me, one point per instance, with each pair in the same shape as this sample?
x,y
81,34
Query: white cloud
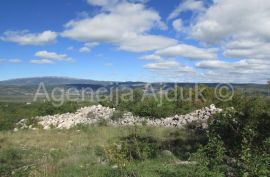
x,y
187,5
102,2
169,68
177,25
124,24
52,56
241,28
88,46
91,44
110,3
247,49
123,18
84,50
242,66
41,61
141,43
26,38
233,19
151,58
188,51
246,70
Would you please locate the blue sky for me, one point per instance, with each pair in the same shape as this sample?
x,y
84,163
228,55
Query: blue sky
x,y
136,40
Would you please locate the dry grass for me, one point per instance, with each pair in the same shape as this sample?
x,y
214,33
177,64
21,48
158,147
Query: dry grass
x,y
68,152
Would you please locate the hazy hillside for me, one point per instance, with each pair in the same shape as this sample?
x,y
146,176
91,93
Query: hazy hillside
x,y
51,81
23,89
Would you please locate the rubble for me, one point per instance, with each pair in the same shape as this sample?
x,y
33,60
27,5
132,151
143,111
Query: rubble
x,y
96,113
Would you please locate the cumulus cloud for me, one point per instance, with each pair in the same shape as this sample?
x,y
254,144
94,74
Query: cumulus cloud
x,y
241,29
242,66
52,56
88,46
247,49
187,5
84,50
110,3
125,24
46,57
169,68
246,70
177,25
233,19
102,2
189,51
27,38
41,61
151,58
140,43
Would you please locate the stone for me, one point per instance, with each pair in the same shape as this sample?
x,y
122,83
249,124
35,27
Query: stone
x,y
167,153
98,112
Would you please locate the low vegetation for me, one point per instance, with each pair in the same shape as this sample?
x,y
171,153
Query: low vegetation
x,y
236,142
11,113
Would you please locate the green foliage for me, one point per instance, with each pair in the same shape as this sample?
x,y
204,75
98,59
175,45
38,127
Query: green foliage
x,y
49,109
183,144
140,147
102,123
11,163
178,101
132,148
188,171
238,138
11,113
117,115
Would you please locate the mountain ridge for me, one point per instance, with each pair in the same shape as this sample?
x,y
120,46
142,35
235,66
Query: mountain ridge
x,y
59,80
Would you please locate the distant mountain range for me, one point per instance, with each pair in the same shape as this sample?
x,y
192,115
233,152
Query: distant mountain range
x,y
24,88
51,81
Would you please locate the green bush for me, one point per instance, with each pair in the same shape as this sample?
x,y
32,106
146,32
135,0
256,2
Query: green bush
x,y
102,122
238,138
117,115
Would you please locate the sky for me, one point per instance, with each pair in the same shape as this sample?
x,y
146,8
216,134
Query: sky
x,y
136,40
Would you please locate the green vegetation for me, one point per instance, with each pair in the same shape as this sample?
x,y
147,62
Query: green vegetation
x,y
239,139
236,142
177,101
95,151
11,113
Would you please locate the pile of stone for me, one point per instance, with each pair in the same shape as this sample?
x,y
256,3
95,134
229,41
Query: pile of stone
x,y
199,116
94,114
86,115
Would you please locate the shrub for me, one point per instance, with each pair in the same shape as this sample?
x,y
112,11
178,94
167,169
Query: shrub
x,y
117,115
238,138
102,122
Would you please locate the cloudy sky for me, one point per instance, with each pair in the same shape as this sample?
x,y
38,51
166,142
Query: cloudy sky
x,y
136,40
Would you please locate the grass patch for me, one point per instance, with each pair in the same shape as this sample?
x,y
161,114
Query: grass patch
x,y
62,153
